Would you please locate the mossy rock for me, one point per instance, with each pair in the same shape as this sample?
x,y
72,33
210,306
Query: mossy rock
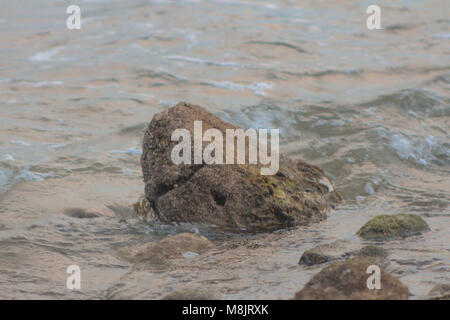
x,y
142,208
279,193
386,227
339,249
373,251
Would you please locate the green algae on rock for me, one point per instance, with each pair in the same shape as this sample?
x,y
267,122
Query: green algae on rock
x,y
373,251
234,197
142,208
347,280
385,227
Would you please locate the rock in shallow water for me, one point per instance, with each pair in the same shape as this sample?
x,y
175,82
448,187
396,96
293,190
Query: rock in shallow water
x,y
232,197
440,292
347,280
329,252
373,251
81,213
339,250
156,255
385,227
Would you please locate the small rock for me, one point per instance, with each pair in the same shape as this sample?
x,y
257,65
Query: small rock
x,y
157,255
373,251
386,227
336,250
347,280
440,292
81,213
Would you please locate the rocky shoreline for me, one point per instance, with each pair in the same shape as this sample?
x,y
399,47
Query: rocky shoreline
x,y
238,200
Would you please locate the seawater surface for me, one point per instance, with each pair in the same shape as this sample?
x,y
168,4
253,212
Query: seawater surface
x,y
372,108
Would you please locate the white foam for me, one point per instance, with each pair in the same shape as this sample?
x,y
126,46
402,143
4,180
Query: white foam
x,y
127,171
257,88
146,25
402,146
55,145
326,182
33,176
47,84
190,255
443,36
4,181
8,178
417,149
369,189
167,103
8,157
45,55
202,61
23,143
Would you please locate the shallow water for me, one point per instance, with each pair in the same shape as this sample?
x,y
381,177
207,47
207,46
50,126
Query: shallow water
x,y
372,108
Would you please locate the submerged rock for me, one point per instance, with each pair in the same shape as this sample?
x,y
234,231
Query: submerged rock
x,y
347,280
322,253
440,292
385,227
157,255
81,213
232,197
373,251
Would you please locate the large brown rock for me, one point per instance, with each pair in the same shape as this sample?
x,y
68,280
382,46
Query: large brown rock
x,y
347,280
230,196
